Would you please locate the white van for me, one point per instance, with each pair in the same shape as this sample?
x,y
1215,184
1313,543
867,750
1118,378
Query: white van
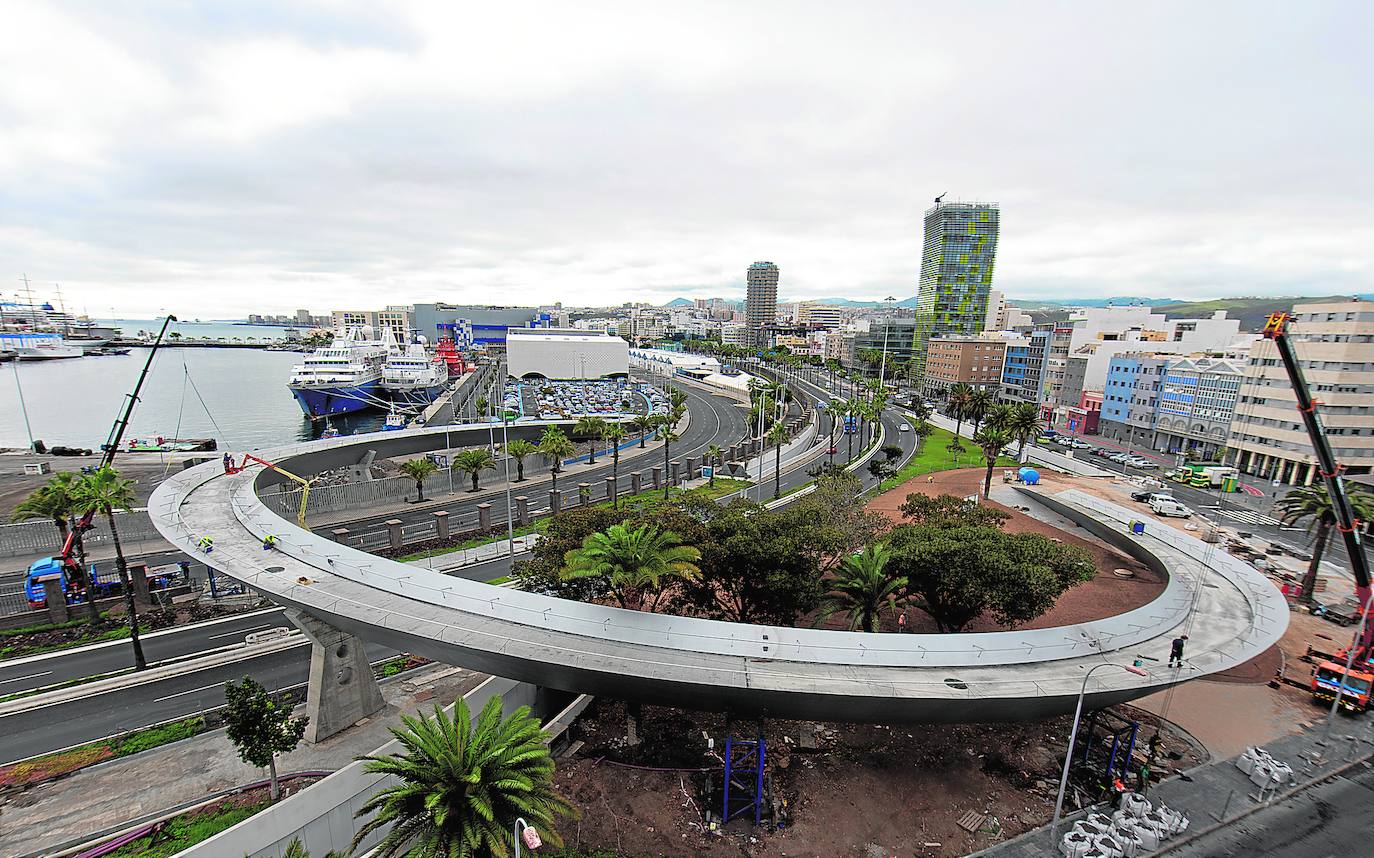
x,y
1167,506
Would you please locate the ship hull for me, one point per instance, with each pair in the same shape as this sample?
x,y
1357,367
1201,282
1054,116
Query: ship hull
x,y
320,402
416,395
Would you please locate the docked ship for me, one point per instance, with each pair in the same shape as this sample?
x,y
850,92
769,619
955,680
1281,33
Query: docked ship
x,y
414,376
447,352
342,377
28,345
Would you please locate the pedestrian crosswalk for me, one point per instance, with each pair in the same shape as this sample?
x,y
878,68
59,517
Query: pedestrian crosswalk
x,y
1247,516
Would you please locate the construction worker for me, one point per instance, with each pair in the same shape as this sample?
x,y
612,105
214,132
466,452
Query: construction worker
x,y
1155,742
228,462
205,544
269,542
1176,651
1142,778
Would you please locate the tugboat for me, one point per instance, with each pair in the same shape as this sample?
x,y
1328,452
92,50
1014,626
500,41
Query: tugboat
x,y
395,420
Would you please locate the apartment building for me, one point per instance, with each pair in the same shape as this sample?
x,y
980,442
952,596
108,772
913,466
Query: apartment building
x,y
1171,403
975,361
1335,345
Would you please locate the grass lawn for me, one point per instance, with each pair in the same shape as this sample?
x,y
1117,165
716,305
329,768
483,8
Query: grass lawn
x,y
50,766
933,457
645,499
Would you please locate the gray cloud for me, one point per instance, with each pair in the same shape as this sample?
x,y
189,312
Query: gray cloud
x,y
229,158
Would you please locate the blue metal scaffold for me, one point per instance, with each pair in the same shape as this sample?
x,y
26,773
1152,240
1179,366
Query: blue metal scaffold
x,y
743,778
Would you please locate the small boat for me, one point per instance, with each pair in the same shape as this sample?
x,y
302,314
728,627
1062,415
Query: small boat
x,y
330,432
394,421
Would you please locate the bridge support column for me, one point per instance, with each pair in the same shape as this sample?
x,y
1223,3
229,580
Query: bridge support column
x,y
393,533
658,477
342,690
584,494
484,517
555,502
610,489
636,483
441,524
522,509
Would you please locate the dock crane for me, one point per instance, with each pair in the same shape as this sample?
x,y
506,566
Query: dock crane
x,y
1349,672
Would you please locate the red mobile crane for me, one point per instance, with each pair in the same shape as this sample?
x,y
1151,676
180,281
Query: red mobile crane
x,y
66,561
1331,676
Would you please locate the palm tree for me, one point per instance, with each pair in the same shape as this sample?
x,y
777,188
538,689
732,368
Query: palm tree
x,y
1313,505
836,408
419,470
591,428
979,402
554,446
57,500
778,435
104,491
615,433
643,424
999,416
460,787
667,436
713,455
473,462
676,399
851,409
958,404
861,586
518,450
993,441
634,562
1024,424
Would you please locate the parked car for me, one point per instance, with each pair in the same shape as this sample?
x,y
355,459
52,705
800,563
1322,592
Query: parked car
x,y
1167,506
1148,495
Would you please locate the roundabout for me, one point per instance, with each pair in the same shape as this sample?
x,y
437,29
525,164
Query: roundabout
x,y
1230,611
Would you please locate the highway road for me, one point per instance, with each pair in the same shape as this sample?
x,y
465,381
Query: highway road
x,y
50,728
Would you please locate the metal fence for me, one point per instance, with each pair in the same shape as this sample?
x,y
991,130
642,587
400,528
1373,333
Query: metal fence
x,y
30,538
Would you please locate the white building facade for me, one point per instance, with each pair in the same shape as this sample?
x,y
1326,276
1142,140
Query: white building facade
x,y
565,353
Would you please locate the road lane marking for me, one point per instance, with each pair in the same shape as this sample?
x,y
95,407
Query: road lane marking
x,y
30,676
243,632
192,691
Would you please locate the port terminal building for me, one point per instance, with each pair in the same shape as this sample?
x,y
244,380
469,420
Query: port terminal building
x,y
565,353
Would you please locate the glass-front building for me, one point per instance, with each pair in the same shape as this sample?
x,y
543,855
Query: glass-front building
x,y
956,274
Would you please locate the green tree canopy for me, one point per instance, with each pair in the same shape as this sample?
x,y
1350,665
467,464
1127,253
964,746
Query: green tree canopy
x,y
260,727
473,462
950,511
419,470
518,450
637,562
861,586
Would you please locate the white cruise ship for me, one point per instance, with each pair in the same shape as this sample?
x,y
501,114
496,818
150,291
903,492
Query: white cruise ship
x,y
28,345
414,376
342,377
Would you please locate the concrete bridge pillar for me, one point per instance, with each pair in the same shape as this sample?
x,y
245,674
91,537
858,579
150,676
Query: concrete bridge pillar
x,y
393,533
484,517
658,477
610,489
441,524
636,482
342,690
522,509
555,502
584,494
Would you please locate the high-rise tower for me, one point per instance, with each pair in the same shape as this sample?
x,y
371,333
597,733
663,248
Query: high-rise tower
x,y
761,302
956,274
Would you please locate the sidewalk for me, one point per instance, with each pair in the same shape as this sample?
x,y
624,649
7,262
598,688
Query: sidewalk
x,y
1219,793
114,794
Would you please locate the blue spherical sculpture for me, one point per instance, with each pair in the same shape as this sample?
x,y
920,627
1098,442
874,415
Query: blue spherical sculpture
x,y
1029,476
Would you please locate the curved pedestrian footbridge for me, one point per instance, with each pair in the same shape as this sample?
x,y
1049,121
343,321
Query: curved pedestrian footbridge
x,y
1230,611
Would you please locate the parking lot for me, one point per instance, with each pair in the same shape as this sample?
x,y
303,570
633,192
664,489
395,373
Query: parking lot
x,y
555,400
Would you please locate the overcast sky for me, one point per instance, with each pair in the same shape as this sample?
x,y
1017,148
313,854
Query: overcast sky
x,y
216,159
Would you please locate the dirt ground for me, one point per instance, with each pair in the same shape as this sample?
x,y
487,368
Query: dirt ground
x,y
840,789
1104,596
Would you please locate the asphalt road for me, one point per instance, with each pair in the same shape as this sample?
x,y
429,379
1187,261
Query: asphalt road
x,y
1330,819
50,728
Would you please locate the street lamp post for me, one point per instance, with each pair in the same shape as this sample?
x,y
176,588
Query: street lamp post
x,y
1073,739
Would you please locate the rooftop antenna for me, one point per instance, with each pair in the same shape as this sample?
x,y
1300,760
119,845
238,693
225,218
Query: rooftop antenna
x,y
941,197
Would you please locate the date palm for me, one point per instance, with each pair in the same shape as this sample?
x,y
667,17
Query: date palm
x,y
419,470
459,787
554,446
667,436
992,441
105,491
1024,424
979,403
957,399
473,462
57,500
1313,506
860,586
778,435
714,453
518,450
643,424
592,428
836,408
615,433
634,562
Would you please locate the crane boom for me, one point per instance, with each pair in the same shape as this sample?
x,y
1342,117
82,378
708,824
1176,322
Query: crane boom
x,y
1276,329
